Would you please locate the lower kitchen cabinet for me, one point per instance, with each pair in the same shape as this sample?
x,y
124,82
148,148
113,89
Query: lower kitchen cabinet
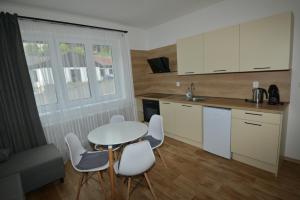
x,y
139,109
189,121
182,122
167,111
255,138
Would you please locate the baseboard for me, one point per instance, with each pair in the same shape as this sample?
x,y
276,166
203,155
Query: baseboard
x,y
291,160
185,140
256,163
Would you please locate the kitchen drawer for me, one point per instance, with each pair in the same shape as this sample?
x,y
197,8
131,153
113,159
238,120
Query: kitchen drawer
x,y
257,116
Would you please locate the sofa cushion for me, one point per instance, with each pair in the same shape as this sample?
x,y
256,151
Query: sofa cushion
x,y
11,187
37,166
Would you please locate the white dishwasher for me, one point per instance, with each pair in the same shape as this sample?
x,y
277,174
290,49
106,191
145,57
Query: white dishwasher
x,y
216,131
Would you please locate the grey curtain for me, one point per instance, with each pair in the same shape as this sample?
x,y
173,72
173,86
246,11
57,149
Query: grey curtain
x,y
20,125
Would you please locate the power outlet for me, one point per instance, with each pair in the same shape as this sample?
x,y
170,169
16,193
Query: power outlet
x,y
177,84
255,84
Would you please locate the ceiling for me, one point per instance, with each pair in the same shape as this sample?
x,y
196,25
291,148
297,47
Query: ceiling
x,y
137,13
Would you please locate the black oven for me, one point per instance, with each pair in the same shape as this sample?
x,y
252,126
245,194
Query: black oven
x,y
150,107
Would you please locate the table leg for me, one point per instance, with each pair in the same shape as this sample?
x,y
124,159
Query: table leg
x,y
111,171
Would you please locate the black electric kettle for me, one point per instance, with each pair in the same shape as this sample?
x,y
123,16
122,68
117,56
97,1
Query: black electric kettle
x,y
258,95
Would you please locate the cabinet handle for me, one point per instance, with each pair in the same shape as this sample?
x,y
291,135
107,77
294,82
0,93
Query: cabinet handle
x,y
220,70
165,103
252,124
189,72
247,113
262,68
186,106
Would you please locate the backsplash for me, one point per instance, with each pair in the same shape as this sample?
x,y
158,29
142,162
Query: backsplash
x,y
231,85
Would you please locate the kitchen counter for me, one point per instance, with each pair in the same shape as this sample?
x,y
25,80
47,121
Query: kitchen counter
x,y
218,102
154,96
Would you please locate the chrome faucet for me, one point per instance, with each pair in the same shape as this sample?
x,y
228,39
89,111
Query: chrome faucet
x,y
189,93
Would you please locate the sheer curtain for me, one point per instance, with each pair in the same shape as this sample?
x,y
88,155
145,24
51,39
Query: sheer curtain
x,y
81,77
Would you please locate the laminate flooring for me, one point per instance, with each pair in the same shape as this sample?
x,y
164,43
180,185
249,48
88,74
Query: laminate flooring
x,y
192,174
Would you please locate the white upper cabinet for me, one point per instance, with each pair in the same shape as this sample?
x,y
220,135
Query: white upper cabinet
x,y
265,43
260,45
221,50
190,55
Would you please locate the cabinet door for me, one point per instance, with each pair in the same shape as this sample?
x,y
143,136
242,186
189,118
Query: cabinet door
x,y
190,55
221,50
265,44
139,108
189,121
255,140
167,111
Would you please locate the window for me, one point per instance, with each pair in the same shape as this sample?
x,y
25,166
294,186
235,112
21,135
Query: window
x,y
105,76
40,70
75,75
70,72
75,69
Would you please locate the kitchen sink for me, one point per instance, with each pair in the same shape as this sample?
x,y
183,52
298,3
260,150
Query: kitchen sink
x,y
196,98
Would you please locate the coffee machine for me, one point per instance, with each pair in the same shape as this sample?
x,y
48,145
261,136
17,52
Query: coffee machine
x,y
274,97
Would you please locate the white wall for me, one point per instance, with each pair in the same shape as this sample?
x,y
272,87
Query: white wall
x,y
136,37
232,12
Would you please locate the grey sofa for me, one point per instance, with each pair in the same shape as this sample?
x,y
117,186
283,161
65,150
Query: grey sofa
x,y
11,188
35,167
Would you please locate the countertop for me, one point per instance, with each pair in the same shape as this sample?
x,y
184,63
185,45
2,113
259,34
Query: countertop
x,y
154,96
218,102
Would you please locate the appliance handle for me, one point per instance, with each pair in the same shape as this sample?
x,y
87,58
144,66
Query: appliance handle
x,y
265,91
186,106
220,70
252,124
248,113
262,68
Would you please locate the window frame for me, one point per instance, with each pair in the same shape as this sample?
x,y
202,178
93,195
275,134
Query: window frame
x,y
96,96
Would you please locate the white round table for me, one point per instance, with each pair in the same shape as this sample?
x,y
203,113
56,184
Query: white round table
x,y
116,133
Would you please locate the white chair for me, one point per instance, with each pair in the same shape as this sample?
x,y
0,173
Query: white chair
x,y
113,119
85,162
137,158
155,135
117,119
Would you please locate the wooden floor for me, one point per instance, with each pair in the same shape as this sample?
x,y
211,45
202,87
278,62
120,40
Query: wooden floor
x,y
193,174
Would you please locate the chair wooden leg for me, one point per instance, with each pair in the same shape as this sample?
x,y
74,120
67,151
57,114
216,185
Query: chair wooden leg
x,y
128,188
150,186
120,152
100,181
162,158
86,175
79,186
116,155
101,174
123,179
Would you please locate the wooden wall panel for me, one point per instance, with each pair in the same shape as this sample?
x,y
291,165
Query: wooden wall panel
x,y
231,85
